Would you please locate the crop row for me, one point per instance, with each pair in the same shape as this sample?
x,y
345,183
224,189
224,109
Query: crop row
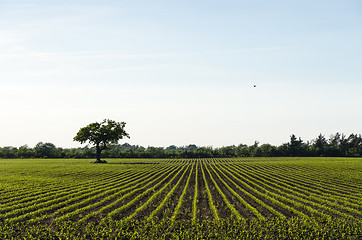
x,y
190,188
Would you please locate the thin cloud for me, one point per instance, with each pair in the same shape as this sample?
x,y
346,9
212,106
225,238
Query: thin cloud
x,y
255,49
7,39
116,54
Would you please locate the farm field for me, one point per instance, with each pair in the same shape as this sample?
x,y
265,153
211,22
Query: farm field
x,y
249,198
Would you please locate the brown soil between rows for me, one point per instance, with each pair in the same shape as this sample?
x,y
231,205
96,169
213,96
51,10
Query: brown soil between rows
x,y
267,191
268,202
301,209
185,212
167,210
44,193
130,210
274,183
300,180
307,189
222,209
243,210
305,194
98,199
231,198
203,209
125,200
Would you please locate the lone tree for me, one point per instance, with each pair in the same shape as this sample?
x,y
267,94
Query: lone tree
x,y
102,135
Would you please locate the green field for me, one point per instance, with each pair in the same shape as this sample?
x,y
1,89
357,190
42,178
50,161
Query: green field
x,y
249,198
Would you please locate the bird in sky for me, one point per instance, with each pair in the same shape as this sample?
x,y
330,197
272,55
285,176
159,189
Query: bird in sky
x,y
254,85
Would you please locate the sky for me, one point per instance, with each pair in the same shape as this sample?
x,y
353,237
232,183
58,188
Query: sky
x,y
180,72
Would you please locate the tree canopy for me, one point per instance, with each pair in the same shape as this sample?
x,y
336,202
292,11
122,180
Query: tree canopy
x,y
101,135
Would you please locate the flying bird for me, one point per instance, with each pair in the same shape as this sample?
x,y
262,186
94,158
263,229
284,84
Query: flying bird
x,y
254,85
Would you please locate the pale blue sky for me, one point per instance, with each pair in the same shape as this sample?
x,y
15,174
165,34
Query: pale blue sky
x,y
180,72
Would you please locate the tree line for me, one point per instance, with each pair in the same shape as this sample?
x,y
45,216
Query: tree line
x,y
337,145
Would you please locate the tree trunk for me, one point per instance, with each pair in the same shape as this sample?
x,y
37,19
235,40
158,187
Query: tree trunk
x,y
98,153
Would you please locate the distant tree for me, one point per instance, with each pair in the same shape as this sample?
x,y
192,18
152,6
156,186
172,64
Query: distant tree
x,y
295,146
283,149
203,152
268,150
320,145
191,147
355,145
334,145
102,135
343,146
171,148
227,151
25,152
155,152
257,152
139,151
8,152
242,150
173,152
45,150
